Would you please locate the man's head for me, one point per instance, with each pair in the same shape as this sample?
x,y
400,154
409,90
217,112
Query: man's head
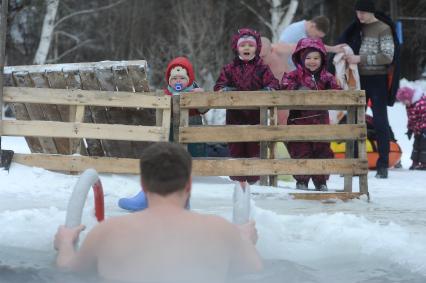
x,y
318,27
165,168
365,11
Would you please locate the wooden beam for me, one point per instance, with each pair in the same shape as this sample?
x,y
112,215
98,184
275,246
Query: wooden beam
x,y
344,196
246,133
83,130
250,167
76,163
201,167
71,67
284,99
85,97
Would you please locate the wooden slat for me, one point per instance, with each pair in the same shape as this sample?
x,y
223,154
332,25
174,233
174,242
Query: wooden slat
x,y
113,115
35,111
72,67
85,97
250,167
263,146
53,112
349,152
271,133
288,99
344,196
200,167
139,78
93,114
75,163
362,151
83,130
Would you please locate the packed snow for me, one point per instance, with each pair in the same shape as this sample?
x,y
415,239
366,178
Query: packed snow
x,y
383,240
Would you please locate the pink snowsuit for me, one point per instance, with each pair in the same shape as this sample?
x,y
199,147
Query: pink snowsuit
x,y
245,76
303,78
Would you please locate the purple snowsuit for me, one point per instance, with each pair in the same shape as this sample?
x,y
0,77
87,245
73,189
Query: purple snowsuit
x,y
303,78
245,76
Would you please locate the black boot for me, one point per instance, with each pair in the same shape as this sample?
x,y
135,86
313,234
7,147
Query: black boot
x,y
382,173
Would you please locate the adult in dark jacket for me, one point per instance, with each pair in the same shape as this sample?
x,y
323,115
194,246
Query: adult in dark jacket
x,y
246,72
373,38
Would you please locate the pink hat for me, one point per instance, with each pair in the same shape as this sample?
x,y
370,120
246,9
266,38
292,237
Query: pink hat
x,y
405,94
246,38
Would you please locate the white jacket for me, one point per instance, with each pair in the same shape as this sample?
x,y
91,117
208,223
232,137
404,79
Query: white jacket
x,y
346,74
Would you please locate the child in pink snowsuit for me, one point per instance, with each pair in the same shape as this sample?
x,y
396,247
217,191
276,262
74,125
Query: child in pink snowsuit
x,y
246,72
311,73
415,102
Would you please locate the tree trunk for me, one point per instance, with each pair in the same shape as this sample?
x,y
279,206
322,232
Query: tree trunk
x,y
46,32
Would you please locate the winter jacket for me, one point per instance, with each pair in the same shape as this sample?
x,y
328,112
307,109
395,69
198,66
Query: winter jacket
x,y
352,36
302,78
185,63
245,76
416,113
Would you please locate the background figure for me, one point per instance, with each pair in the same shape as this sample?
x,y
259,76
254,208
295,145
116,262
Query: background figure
x,y
311,73
317,27
373,39
415,102
246,73
276,55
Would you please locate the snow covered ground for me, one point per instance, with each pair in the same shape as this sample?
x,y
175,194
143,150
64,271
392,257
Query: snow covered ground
x,y
303,241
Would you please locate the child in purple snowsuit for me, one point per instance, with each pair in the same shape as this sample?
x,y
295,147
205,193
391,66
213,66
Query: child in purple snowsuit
x,y
247,72
415,102
311,73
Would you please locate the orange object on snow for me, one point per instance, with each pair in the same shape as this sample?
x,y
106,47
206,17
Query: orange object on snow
x,y
395,152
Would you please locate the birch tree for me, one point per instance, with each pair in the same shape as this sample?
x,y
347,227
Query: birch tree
x,y
281,15
46,32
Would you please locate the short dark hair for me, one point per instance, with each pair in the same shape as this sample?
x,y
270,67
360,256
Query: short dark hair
x,y
165,168
322,23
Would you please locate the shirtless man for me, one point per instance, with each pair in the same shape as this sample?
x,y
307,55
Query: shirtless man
x,y
276,55
165,242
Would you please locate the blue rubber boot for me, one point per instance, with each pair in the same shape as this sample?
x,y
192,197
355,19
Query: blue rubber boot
x,y
136,203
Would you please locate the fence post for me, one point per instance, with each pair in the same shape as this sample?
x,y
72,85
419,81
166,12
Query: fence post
x,y
349,152
264,145
362,153
273,179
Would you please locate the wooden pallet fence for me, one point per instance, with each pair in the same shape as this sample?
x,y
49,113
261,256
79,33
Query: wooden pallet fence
x,y
269,132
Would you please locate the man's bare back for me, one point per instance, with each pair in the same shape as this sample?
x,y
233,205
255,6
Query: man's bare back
x,y
164,243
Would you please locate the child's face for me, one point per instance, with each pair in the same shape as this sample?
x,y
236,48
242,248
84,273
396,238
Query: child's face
x,y
313,61
247,50
406,102
178,80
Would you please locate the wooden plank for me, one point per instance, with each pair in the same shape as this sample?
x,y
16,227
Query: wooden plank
x,y
53,112
139,78
349,152
75,163
35,112
72,67
344,196
250,167
273,179
200,167
82,130
176,118
239,133
362,153
263,154
288,99
86,97
93,114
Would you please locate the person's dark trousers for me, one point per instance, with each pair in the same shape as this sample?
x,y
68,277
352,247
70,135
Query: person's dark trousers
x,y
419,149
376,90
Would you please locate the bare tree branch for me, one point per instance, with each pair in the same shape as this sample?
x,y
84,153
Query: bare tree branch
x,y
253,10
54,60
88,11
